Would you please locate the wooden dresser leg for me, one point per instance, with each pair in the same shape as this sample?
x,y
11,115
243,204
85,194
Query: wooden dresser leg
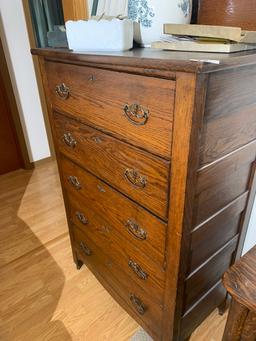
x,y
77,261
79,264
222,308
235,323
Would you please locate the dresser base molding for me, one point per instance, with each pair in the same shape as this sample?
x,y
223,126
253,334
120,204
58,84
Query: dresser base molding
x,y
156,152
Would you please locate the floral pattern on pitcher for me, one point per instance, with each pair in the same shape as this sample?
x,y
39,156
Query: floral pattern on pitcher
x,y
184,5
141,12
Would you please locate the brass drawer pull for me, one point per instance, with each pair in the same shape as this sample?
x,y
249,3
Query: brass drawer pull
x,y
85,249
136,114
80,216
135,178
62,91
69,140
137,269
138,305
135,230
74,182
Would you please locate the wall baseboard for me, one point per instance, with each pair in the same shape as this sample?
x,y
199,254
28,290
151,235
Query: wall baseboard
x,y
42,162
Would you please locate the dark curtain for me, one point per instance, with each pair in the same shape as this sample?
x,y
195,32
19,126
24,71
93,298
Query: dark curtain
x,y
45,14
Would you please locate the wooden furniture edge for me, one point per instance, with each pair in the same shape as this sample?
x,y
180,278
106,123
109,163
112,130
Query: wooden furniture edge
x,y
193,162
124,60
183,125
49,109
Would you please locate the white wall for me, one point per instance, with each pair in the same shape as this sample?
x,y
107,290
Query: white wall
x,y
17,51
250,239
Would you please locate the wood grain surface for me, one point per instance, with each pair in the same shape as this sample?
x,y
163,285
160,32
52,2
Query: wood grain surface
x,y
119,250
240,280
219,228
98,97
230,99
222,182
103,266
109,159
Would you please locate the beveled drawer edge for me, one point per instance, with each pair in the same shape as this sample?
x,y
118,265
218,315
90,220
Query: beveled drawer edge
x,y
108,133
119,299
74,226
123,68
162,219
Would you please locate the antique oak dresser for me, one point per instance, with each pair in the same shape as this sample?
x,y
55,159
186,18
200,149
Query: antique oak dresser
x,y
156,153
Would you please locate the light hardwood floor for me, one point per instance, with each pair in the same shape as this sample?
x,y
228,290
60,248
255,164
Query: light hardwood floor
x,y
42,295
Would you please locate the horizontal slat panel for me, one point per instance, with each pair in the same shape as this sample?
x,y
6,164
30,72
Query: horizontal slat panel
x,y
200,281
216,232
222,182
195,316
229,114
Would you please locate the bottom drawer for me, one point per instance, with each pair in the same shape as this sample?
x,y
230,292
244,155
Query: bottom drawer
x,y
131,297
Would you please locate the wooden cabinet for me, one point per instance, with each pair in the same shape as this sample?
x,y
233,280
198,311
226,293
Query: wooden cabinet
x,y
156,155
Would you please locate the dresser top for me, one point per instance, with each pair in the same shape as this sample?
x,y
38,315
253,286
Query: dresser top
x,y
195,62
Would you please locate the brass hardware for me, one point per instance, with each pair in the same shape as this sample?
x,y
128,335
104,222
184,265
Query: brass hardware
x,y
137,269
74,182
138,305
92,78
97,139
85,249
62,91
135,178
69,140
135,230
101,189
136,114
80,216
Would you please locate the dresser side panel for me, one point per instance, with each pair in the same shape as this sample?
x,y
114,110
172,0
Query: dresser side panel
x,y
224,177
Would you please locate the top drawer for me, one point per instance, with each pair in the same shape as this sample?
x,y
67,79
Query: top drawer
x,y
135,108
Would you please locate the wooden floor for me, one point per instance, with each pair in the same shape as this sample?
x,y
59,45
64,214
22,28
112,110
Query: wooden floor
x,y
42,295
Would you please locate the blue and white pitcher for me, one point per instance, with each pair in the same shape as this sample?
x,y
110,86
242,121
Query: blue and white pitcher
x,y
150,15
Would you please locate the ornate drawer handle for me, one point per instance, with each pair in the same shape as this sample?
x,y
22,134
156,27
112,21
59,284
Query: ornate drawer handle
x,y
137,269
135,178
85,249
136,114
135,230
62,91
139,306
74,182
69,140
80,216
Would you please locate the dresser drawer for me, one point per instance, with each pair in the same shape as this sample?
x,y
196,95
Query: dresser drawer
x,y
135,108
130,221
141,268
139,175
133,298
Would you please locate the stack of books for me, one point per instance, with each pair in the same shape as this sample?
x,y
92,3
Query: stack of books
x,y
205,38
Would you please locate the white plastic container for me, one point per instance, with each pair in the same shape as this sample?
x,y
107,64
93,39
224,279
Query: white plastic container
x,y
102,35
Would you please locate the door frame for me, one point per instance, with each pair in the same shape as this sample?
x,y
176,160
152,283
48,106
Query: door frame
x,y
22,146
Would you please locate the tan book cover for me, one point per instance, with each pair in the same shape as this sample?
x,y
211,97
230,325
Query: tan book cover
x,y
207,31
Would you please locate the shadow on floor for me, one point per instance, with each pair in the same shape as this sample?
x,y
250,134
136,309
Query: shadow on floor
x,y
31,281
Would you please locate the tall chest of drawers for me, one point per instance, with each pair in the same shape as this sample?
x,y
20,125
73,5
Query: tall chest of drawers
x,y
156,153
